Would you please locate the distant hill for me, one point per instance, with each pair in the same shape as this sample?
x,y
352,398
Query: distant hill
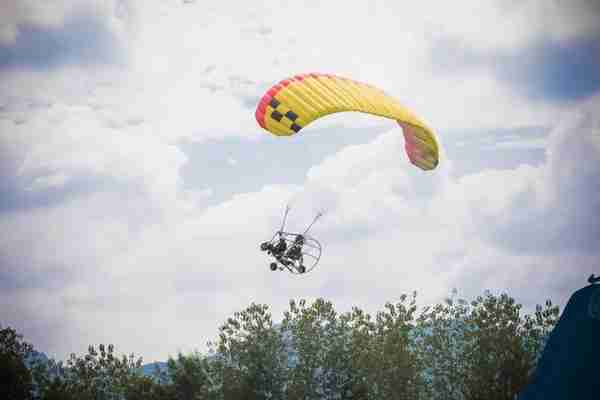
x,y
36,357
150,369
147,369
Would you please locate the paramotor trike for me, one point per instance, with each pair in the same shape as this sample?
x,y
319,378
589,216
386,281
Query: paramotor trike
x,y
296,252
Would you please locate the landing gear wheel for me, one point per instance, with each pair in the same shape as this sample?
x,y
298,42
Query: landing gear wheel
x,y
273,266
302,269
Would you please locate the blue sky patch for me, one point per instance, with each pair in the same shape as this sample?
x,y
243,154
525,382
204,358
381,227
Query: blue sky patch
x,y
83,40
549,71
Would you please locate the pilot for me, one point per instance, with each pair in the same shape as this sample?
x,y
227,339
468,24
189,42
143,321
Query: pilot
x,y
279,249
295,251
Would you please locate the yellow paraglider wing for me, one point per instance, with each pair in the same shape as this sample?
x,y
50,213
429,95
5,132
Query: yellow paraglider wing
x,y
294,103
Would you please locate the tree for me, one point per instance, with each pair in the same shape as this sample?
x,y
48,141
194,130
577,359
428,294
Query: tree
x,y
313,330
250,358
385,362
398,372
481,350
148,388
190,376
100,374
440,340
351,356
14,374
502,347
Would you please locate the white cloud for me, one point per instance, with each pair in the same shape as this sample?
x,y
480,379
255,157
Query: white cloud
x,y
536,143
471,232
196,73
17,14
389,229
500,25
542,209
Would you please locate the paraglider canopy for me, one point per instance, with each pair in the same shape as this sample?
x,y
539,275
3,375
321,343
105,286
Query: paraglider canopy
x,y
293,103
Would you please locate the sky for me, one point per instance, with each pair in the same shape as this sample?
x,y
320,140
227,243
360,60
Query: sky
x,y
136,184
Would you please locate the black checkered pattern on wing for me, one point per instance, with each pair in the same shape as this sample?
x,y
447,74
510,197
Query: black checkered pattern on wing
x,y
289,115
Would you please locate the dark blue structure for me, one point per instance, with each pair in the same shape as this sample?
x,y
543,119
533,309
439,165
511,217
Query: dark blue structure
x,y
569,367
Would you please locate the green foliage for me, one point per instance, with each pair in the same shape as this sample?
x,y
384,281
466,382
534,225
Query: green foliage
x,y
251,361
15,376
481,350
99,374
320,343
484,349
344,356
147,388
440,341
398,371
12,344
190,376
